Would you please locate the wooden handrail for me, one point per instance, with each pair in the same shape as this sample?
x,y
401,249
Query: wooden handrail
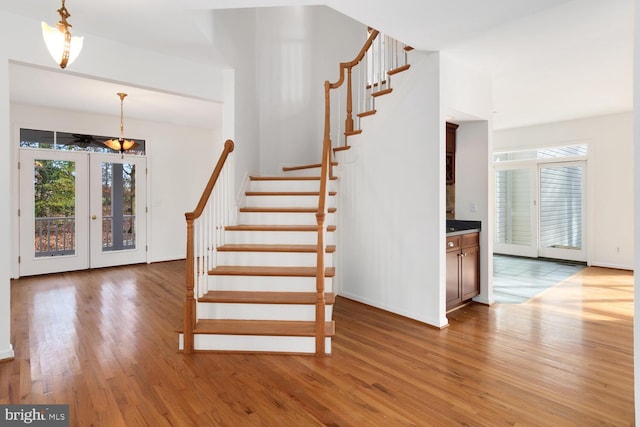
x,y
228,148
344,65
189,320
325,174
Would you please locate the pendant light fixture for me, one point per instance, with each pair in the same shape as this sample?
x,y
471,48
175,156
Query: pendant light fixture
x,y
63,48
121,144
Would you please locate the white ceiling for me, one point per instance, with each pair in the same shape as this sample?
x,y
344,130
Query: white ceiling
x,y
550,59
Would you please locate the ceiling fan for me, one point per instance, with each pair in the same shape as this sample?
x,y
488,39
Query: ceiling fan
x,y
80,140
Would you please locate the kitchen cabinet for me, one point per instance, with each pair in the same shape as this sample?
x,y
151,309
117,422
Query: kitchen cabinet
x,y
451,153
463,268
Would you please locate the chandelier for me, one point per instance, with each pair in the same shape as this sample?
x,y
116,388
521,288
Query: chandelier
x,y
121,144
63,48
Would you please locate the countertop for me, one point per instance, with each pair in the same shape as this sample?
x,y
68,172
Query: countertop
x,y
458,226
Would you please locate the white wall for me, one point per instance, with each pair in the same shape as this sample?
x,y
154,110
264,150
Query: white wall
x,y
391,230
293,61
392,191
609,178
474,196
467,101
6,349
179,159
235,35
466,92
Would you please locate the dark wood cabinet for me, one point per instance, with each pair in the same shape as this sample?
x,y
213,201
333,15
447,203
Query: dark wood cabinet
x,y
463,268
451,153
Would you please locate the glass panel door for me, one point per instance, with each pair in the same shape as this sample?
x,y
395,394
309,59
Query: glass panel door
x,y
80,210
53,211
562,211
118,210
515,222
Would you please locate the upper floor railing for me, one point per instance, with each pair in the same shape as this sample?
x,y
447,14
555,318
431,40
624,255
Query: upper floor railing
x,y
361,81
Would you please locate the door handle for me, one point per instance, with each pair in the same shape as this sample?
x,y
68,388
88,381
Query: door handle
x,y
93,217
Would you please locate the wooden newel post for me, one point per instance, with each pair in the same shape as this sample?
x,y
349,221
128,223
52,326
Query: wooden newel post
x,y
189,321
348,123
320,301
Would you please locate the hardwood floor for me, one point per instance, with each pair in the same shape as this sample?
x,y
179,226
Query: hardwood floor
x,y
103,342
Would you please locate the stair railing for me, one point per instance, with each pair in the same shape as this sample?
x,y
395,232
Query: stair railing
x,y
367,76
205,232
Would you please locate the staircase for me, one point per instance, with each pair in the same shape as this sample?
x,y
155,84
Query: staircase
x,y
261,278
262,292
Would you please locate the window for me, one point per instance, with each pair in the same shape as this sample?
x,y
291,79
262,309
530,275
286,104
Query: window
x,y
567,151
32,138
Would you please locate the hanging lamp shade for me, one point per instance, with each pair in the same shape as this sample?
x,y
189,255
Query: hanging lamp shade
x,y
121,144
63,47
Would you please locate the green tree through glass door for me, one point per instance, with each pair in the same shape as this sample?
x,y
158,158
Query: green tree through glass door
x,y
54,205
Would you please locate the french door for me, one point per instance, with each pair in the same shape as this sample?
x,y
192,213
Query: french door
x,y
540,210
562,211
515,217
80,210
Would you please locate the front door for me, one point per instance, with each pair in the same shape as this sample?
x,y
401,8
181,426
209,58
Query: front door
x,y
80,210
118,210
53,211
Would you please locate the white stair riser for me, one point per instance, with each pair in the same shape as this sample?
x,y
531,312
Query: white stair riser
x,y
267,283
286,201
276,237
255,343
285,185
290,259
261,311
281,218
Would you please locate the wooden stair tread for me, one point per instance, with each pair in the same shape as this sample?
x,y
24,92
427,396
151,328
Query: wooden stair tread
x,y
343,148
263,297
248,227
273,248
367,113
286,193
311,166
244,270
261,327
353,132
399,69
382,92
285,210
286,178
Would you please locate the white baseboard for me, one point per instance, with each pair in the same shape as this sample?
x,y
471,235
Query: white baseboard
x,y
7,354
394,310
609,265
484,300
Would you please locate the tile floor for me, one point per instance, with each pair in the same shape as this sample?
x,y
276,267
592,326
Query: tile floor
x,y
517,279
